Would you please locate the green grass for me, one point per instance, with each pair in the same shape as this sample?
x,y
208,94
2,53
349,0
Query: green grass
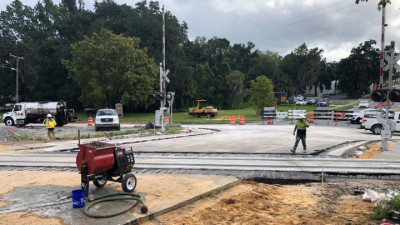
x,y
343,108
339,103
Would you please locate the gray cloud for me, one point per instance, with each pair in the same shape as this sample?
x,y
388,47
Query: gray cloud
x,y
282,25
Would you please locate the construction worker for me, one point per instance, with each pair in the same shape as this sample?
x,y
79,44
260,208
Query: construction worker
x,y
50,125
301,127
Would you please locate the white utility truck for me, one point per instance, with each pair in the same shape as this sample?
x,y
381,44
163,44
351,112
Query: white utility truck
x,y
35,112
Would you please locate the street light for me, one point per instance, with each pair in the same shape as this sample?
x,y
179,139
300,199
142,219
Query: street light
x,y
16,58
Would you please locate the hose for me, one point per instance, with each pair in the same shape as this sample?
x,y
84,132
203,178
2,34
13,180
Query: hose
x,y
108,198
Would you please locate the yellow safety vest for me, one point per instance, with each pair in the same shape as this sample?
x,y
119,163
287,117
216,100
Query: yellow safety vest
x,y
50,124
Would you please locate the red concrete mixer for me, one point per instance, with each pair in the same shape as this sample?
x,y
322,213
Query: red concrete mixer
x,y
101,162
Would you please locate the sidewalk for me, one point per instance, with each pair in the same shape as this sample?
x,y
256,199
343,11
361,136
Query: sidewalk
x,y
392,154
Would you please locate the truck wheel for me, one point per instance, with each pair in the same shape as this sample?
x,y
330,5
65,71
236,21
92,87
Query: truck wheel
x,y
118,128
129,182
9,122
100,182
376,129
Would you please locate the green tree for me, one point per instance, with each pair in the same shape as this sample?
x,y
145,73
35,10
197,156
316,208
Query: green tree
x,y
380,4
111,68
235,83
303,66
262,93
359,70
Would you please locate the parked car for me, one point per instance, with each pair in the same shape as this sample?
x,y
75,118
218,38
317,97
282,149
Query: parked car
x,y
311,101
298,98
363,104
301,102
323,103
107,118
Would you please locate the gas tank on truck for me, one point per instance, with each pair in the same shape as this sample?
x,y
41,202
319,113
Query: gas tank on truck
x,y
35,112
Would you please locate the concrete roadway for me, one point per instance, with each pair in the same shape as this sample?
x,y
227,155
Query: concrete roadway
x,y
256,138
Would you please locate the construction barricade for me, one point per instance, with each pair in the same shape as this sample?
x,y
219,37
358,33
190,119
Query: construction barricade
x,y
90,121
311,118
322,113
232,120
342,115
241,121
281,115
268,113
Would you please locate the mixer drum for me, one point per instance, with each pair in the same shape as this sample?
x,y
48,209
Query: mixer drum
x,y
99,157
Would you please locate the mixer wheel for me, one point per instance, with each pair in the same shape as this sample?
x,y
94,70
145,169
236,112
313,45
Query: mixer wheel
x,y
100,182
129,182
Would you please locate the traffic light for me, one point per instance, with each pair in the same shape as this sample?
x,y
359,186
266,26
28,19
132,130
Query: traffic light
x,y
378,96
157,96
170,95
394,95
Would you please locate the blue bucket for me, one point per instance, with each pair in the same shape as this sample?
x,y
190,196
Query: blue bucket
x,y
78,198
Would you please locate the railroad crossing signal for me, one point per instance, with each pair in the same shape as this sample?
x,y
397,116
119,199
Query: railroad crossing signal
x,y
165,74
378,96
157,96
395,64
394,95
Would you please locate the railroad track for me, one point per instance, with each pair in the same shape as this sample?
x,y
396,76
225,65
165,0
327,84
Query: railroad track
x,y
241,165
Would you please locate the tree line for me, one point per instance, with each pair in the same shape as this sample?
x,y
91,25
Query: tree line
x,y
112,54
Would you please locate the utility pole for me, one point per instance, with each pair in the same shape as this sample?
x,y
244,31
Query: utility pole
x,y
382,48
17,58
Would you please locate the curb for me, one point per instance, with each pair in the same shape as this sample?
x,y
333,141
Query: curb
x,y
152,216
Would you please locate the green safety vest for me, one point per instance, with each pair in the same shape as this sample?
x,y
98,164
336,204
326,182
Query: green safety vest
x,y
301,125
50,124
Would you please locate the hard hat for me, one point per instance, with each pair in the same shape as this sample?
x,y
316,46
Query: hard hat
x,y
49,115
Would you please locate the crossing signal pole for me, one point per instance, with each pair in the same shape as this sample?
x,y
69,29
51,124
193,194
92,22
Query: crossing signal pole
x,y
393,95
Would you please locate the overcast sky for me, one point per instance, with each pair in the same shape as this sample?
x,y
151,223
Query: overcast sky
x,y
336,26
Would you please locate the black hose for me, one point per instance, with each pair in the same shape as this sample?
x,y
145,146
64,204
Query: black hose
x,y
108,198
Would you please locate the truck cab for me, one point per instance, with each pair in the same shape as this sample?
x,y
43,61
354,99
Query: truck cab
x,y
16,116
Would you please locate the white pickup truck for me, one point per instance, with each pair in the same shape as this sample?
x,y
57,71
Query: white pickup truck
x,y
370,122
357,117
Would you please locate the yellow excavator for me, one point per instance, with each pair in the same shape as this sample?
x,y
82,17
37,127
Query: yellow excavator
x,y
198,111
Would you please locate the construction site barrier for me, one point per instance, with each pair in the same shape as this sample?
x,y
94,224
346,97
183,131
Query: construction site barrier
x,y
241,122
322,113
270,121
165,119
335,116
232,120
296,114
342,115
90,121
311,118
268,113
281,115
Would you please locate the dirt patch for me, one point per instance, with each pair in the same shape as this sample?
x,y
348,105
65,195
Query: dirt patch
x,y
372,150
256,203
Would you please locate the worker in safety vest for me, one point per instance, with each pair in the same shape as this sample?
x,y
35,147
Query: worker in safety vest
x,y
301,127
50,125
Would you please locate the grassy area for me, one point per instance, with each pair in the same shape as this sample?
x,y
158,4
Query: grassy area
x,y
339,103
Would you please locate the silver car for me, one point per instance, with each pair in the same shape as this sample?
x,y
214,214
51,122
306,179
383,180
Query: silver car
x,y
107,118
